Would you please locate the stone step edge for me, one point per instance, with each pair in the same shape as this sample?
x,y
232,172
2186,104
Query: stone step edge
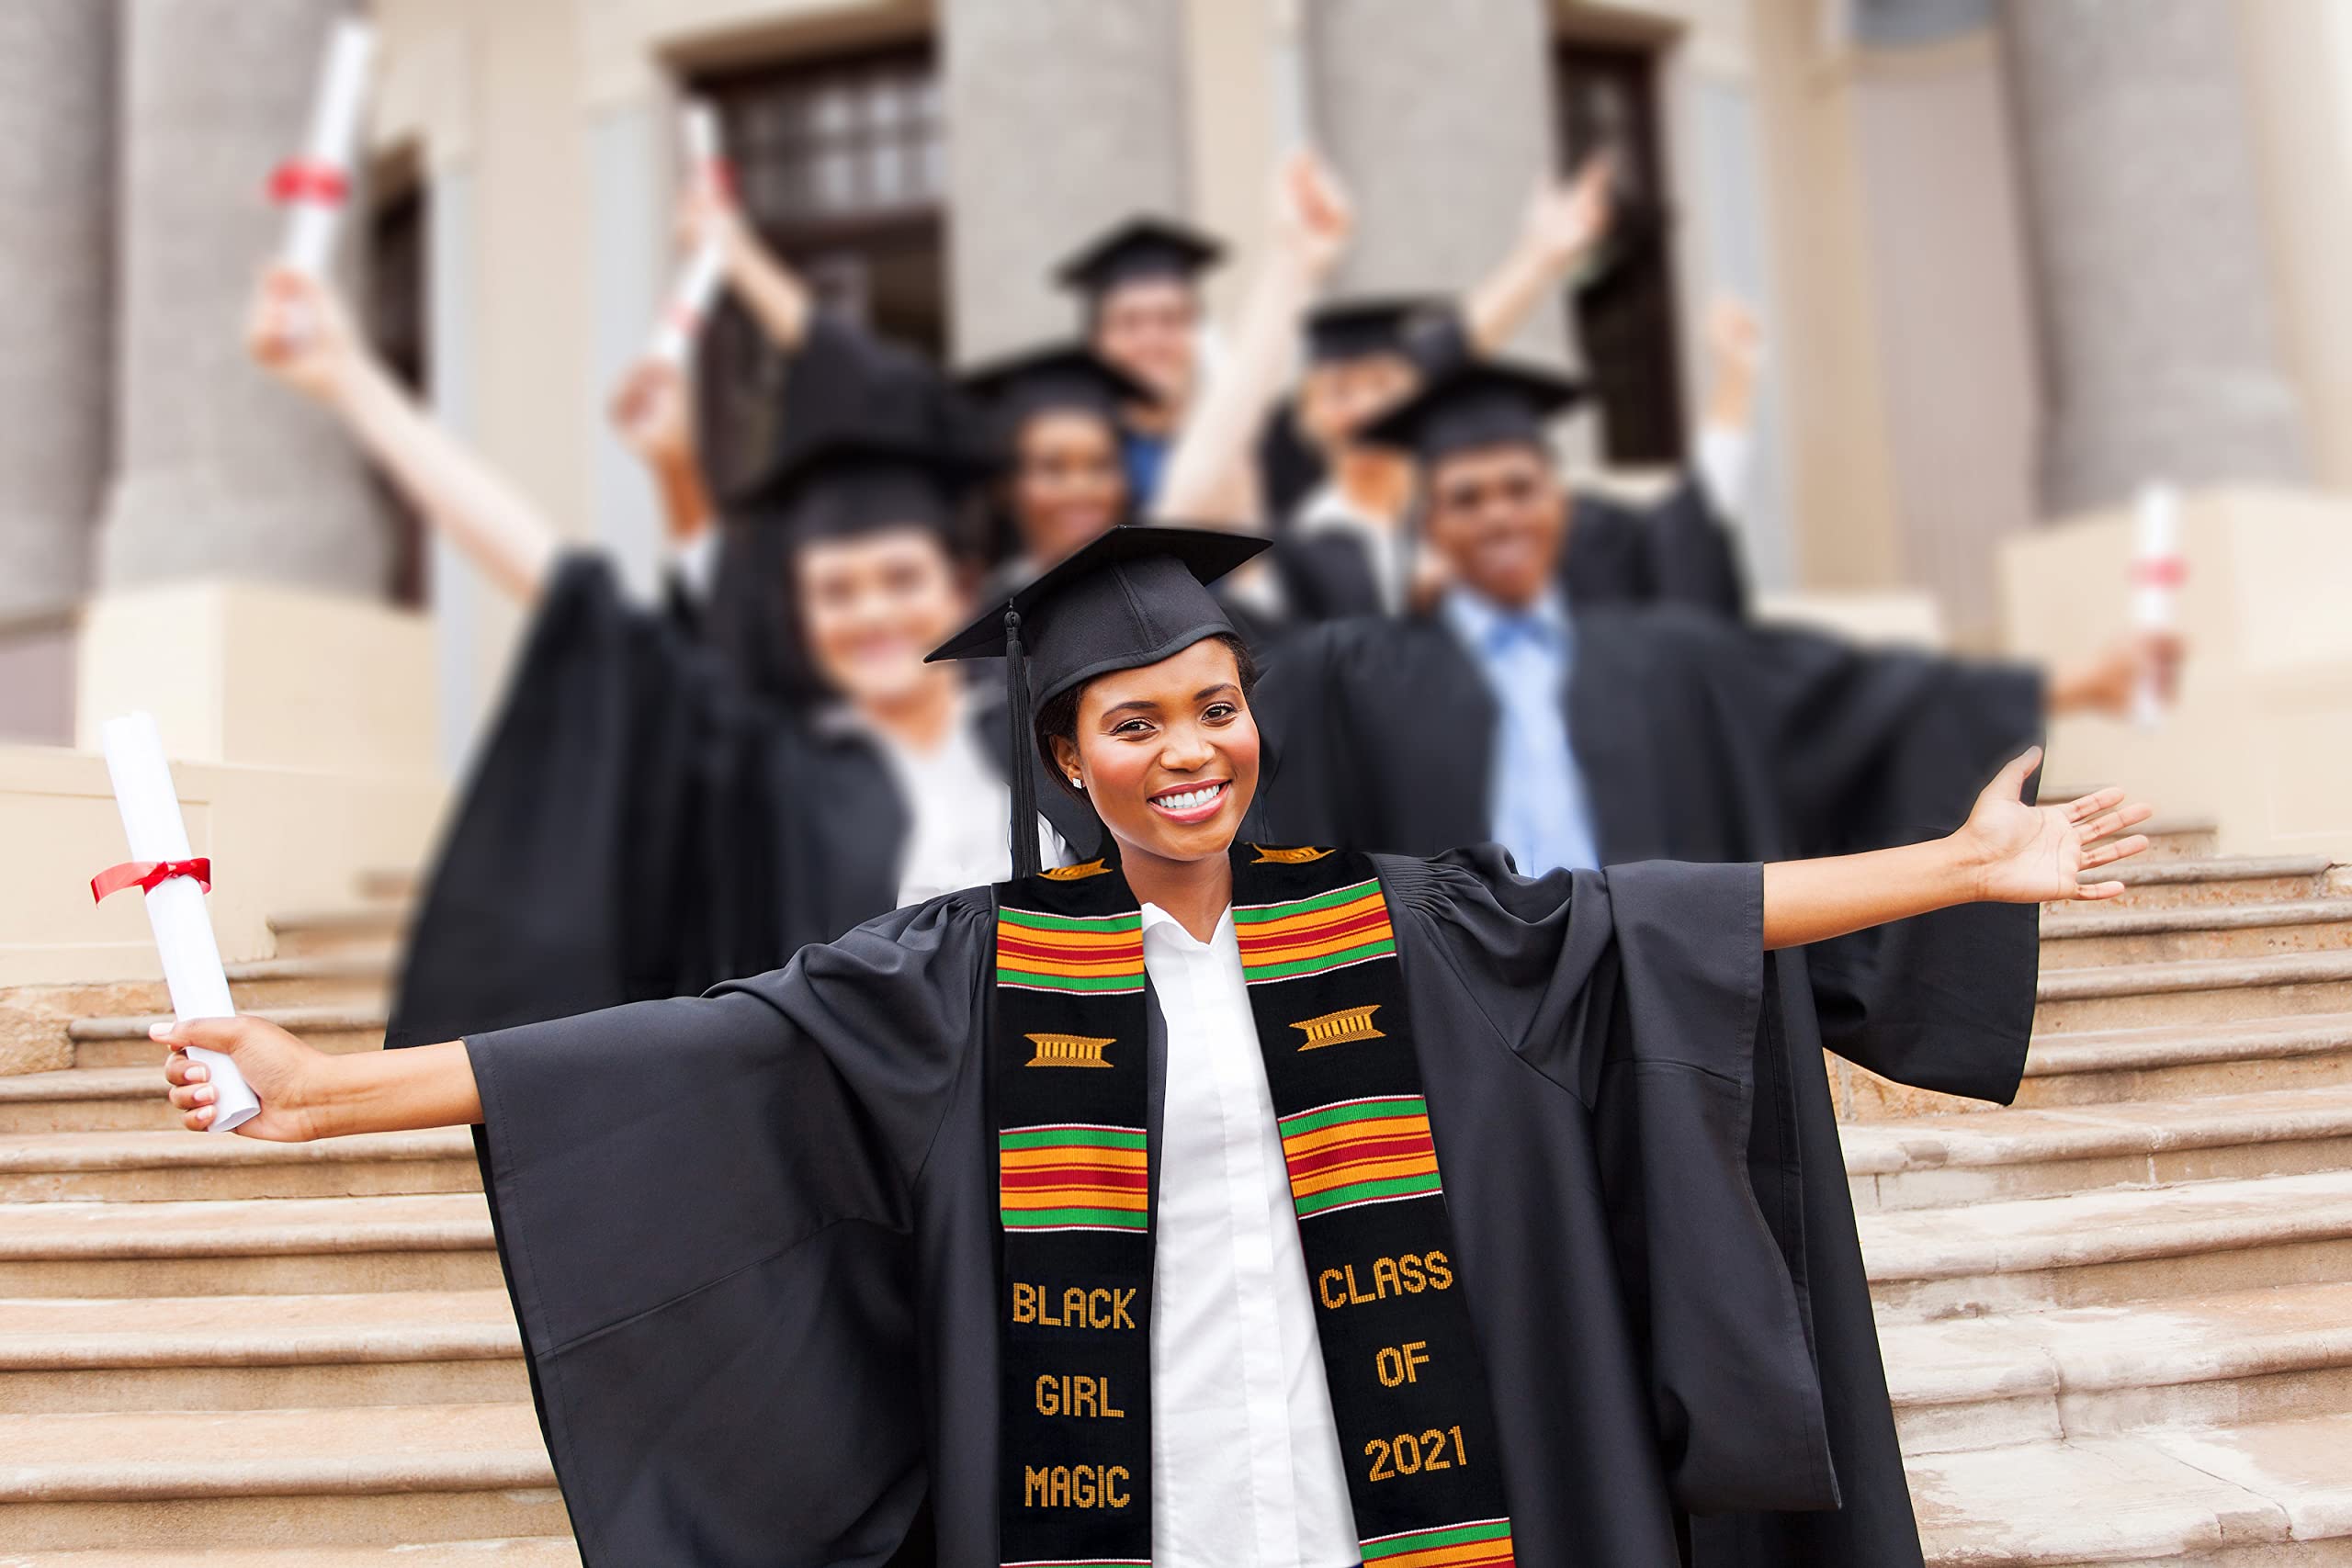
x,y
2220,868
338,1017
377,1344
260,1227
2175,1044
2178,976
190,1476
167,1148
535,1550
2037,1371
2283,1523
84,1083
1963,1140
1965,1254
2196,918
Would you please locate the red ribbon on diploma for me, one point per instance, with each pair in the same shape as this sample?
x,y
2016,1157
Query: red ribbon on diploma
x,y
145,874
301,181
2161,571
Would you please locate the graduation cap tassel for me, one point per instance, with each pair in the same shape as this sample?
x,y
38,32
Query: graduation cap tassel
x,y
1020,765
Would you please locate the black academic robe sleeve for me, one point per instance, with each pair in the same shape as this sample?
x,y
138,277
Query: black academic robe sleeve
x,y
1645,991
613,841
703,1206
1675,551
1872,748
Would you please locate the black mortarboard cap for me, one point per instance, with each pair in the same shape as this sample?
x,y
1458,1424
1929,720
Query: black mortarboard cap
x,y
1360,329
1486,404
1133,596
843,483
1139,249
1059,375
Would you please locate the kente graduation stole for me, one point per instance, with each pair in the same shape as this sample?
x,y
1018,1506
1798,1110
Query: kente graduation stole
x,y
1071,1075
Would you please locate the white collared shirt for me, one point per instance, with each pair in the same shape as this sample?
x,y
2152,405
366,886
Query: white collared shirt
x,y
956,804
1328,511
1245,1454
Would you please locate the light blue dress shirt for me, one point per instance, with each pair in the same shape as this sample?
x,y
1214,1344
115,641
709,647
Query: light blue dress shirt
x,y
1538,807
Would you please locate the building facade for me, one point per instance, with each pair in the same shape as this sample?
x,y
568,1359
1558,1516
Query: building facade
x,y
2013,259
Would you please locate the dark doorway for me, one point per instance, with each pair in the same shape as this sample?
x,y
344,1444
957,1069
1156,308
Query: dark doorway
x,y
398,306
1606,95
841,163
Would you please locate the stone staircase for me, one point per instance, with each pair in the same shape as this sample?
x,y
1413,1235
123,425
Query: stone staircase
x,y
225,1354
2118,1317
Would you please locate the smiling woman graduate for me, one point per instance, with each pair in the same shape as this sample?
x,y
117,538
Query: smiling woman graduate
x,y
1203,1205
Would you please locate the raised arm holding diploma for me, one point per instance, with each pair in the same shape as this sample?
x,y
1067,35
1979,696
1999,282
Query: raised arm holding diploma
x,y
151,822
705,268
315,187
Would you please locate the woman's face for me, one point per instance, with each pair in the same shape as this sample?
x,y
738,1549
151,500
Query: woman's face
x,y
873,605
1168,755
1146,327
1338,399
1068,484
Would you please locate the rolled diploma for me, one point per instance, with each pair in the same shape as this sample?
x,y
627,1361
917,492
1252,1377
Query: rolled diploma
x,y
704,270
689,302
700,123
334,134
2155,574
151,822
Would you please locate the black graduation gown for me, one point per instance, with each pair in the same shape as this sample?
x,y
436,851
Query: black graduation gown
x,y
637,825
1674,551
751,1237
1705,741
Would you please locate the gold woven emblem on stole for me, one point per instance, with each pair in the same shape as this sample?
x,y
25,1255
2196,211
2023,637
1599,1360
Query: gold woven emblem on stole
x,y
1337,1028
1285,857
1067,1051
1073,872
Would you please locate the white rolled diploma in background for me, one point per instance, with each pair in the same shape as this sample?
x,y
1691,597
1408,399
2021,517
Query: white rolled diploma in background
x,y
2156,566
335,135
698,283
151,820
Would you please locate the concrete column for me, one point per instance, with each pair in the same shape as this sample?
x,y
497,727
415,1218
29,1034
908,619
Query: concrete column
x,y
218,471
2146,238
1440,118
1068,115
57,120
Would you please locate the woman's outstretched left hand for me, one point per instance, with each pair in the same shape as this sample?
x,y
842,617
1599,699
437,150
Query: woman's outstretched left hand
x,y
2037,854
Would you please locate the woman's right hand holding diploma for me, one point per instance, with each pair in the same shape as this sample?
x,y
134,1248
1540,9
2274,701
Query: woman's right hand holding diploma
x,y
307,1093
298,331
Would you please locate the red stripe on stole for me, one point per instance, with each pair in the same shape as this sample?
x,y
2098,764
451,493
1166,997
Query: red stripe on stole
x,y
1362,1149
1301,936
1090,955
1076,1176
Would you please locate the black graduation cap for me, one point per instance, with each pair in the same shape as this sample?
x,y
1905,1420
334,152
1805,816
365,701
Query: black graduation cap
x,y
1131,597
1486,403
843,483
1059,376
1140,248
1360,329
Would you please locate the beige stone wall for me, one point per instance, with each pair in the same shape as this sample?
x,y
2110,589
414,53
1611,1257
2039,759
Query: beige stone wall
x,y
2297,65
1952,319
280,839
2262,740
1830,369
